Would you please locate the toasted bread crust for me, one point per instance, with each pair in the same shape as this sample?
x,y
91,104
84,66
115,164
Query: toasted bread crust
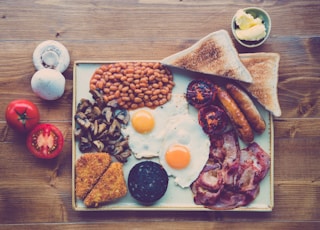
x,y
110,186
214,54
89,168
264,71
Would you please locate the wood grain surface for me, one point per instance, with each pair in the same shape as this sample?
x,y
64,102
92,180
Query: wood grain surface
x,y
36,194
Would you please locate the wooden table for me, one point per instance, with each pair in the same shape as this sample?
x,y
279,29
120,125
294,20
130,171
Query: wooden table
x,y
37,194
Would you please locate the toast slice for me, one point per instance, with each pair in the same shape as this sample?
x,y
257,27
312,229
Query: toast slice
x,y
89,168
264,71
214,54
111,186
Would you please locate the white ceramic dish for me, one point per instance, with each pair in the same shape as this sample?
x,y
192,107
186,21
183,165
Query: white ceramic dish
x,y
175,198
255,12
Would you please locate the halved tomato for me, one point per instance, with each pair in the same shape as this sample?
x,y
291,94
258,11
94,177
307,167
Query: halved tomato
x,y
45,141
212,119
22,115
200,93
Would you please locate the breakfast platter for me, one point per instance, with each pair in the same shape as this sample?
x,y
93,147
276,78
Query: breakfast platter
x,y
176,197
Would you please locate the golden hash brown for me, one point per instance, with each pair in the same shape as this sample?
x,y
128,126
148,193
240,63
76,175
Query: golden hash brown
x,y
110,186
89,168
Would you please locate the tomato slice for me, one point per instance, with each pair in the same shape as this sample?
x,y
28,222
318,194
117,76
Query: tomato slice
x,y
45,141
22,115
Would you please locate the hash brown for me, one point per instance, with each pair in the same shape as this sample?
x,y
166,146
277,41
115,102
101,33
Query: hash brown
x,y
89,168
110,186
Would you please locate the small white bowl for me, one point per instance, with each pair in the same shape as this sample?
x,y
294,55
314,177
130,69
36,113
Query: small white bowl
x,y
255,12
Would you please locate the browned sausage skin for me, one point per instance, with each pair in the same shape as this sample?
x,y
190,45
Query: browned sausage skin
x,y
247,107
238,119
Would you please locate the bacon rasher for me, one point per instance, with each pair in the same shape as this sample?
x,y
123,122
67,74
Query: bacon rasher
x,y
231,176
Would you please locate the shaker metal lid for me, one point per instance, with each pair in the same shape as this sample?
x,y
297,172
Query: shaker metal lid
x,y
51,54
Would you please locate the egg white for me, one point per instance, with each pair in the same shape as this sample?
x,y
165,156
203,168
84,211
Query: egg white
x,y
185,130
148,145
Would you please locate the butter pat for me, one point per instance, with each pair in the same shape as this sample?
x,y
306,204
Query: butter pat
x,y
250,28
254,33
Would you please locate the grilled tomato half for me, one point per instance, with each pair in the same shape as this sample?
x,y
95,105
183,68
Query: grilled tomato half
x,y
200,92
45,141
212,119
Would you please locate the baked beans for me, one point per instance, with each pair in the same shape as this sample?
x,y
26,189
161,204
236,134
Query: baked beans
x,y
134,84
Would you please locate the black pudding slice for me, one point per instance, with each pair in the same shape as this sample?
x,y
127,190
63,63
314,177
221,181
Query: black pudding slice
x,y
147,181
200,92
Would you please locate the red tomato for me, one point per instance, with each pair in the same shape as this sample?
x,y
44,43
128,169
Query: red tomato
x,y
22,115
45,141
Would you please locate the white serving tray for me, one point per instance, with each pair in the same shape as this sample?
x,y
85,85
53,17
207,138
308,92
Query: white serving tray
x,y
175,198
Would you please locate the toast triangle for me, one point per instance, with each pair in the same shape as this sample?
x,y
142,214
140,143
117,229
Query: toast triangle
x,y
264,71
214,54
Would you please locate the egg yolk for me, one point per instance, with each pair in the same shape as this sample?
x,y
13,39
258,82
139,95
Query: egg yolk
x,y
142,121
178,156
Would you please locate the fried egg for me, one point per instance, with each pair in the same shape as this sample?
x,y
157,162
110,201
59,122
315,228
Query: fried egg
x,y
146,128
184,150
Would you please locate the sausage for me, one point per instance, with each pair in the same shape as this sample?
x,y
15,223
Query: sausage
x,y
248,108
238,119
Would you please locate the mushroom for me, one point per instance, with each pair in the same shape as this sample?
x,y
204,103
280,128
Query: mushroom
x,y
83,105
107,113
122,115
82,120
96,111
115,126
51,54
113,104
97,96
98,127
98,145
122,157
84,144
48,84
78,132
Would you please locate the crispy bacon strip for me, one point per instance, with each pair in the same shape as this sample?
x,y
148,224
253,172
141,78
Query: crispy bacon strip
x,y
254,166
225,149
231,177
208,185
229,199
